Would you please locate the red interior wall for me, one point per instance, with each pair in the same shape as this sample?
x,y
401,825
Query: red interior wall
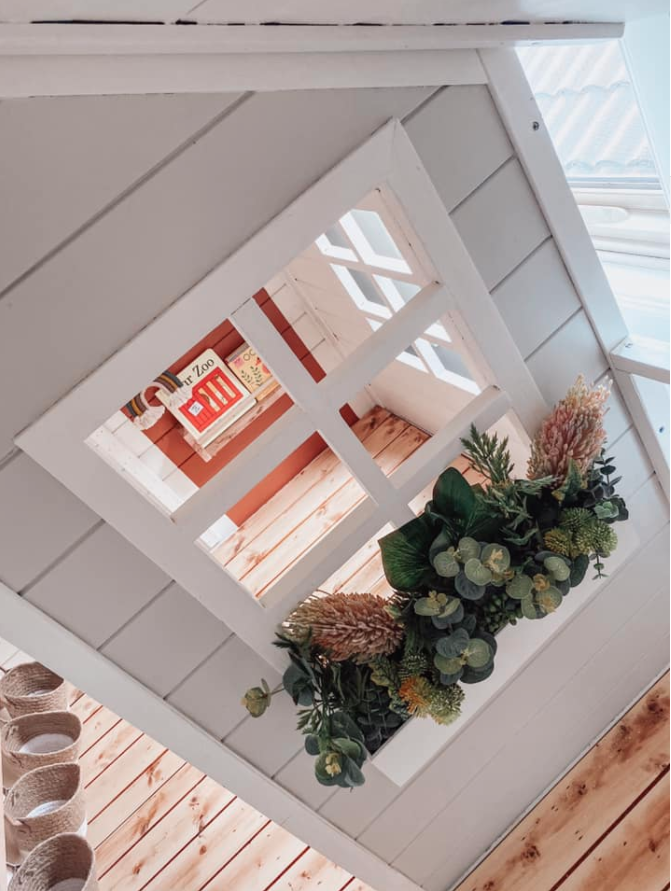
x,y
167,435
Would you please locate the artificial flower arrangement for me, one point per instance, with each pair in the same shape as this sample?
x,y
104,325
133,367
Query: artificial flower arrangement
x,y
477,559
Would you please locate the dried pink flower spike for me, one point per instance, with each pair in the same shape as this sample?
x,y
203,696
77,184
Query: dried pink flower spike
x,y
574,431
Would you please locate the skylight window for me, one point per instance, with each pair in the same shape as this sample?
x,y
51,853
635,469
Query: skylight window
x,y
590,109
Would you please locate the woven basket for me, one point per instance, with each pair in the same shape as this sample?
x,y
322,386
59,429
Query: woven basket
x,y
43,803
65,862
33,741
32,688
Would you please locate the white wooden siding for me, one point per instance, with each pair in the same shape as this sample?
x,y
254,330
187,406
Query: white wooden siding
x,y
167,640
97,150
461,156
39,521
211,694
537,298
500,222
129,265
98,586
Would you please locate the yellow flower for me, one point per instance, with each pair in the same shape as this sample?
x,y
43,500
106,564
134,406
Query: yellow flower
x,y
541,582
333,767
416,693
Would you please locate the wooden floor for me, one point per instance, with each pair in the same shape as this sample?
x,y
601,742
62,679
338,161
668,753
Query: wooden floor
x,y
605,826
157,823
312,503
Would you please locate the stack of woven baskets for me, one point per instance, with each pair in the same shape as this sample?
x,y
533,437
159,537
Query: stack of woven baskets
x,y
45,817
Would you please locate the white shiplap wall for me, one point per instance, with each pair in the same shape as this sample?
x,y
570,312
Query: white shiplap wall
x,y
147,223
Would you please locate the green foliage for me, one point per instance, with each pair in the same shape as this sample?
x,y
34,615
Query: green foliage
x,y
405,554
477,559
257,699
581,533
488,456
458,651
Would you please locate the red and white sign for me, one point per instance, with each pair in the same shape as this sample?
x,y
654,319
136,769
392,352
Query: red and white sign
x,y
217,398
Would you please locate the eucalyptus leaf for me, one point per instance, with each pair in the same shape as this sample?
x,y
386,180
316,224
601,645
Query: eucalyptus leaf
x,y
477,653
520,587
476,572
468,548
449,665
312,744
445,565
468,589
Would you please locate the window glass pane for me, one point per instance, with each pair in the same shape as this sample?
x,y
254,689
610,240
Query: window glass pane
x,y
376,233
589,107
337,237
642,292
362,290
372,240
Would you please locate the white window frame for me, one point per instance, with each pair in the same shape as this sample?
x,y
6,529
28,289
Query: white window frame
x,y
518,109
57,439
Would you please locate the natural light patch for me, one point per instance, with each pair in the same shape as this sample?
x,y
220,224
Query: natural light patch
x,y
589,106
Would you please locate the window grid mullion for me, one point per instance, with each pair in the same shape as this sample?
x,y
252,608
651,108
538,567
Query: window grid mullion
x,y
324,412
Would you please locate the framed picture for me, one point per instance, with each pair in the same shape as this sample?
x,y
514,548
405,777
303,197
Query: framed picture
x,y
252,372
216,399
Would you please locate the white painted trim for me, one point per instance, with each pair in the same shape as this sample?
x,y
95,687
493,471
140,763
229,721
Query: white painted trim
x,y
174,40
645,358
89,670
366,519
645,429
24,76
73,60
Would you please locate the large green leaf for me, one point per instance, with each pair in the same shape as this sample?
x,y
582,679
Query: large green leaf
x,y
578,570
405,554
453,496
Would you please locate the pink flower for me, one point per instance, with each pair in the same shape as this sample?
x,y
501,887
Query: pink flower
x,y
574,431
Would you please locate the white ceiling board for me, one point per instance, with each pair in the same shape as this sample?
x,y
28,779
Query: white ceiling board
x,y
39,519
167,640
211,695
421,12
540,279
459,158
501,223
65,159
550,365
98,586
